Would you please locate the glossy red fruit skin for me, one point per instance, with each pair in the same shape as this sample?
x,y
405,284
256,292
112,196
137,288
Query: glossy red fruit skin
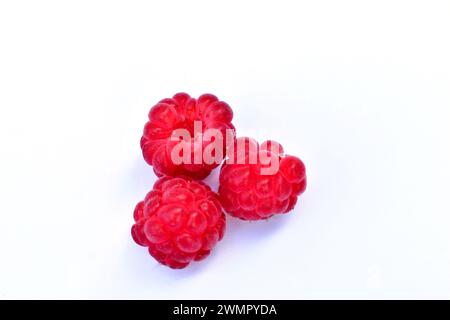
x,y
247,194
178,112
180,221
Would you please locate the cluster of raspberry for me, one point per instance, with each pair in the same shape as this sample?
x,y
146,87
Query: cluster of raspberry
x,y
181,219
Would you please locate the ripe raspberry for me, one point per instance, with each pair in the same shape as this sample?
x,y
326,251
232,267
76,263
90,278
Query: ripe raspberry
x,y
179,221
180,112
247,194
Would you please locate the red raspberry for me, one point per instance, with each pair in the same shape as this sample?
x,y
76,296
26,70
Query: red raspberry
x,y
247,194
179,221
180,112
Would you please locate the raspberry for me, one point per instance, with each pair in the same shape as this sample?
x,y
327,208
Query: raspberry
x,y
248,194
180,221
180,112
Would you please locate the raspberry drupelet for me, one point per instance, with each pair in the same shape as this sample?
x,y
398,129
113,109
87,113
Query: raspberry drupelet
x,y
181,112
180,221
246,192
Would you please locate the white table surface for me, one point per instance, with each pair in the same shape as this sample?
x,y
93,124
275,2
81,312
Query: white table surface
x,y
360,90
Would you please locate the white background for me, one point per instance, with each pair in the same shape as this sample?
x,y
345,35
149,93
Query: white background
x,y
360,90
